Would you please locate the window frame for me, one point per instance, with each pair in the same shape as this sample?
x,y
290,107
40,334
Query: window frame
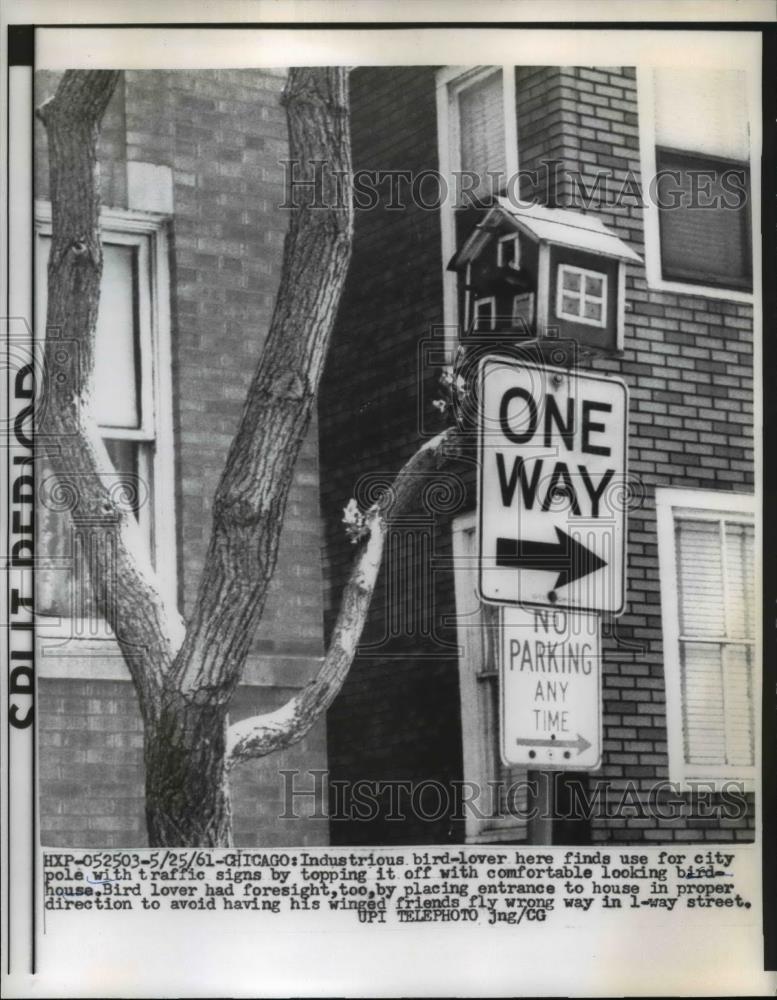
x,y
485,300
599,299
720,163
529,297
451,81
475,748
515,263
148,232
649,168
702,505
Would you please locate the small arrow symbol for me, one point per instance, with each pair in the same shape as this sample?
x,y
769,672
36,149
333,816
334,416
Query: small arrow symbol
x,y
571,558
581,743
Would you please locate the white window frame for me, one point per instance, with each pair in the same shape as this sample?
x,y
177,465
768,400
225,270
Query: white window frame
x,y
513,238
648,165
451,81
585,273
489,300
521,297
475,751
147,231
710,506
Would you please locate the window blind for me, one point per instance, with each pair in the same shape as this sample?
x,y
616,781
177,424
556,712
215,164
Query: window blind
x,y
701,124
705,227
482,132
716,616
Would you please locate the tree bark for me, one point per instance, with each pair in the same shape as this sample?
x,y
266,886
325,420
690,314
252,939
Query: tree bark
x,y
284,727
187,800
187,787
251,498
185,678
147,631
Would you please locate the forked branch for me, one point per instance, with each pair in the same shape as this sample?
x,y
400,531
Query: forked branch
x,y
287,725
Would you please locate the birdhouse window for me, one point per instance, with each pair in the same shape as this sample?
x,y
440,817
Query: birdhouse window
x,y
581,295
508,252
523,311
485,313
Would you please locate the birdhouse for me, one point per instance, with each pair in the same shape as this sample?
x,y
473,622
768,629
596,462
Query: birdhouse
x,y
528,270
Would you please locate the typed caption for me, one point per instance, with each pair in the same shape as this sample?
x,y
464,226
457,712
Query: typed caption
x,y
490,886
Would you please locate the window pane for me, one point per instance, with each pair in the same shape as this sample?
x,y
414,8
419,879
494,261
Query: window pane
x,y
699,570
740,545
117,402
571,281
702,110
740,729
569,304
124,455
509,252
704,729
705,228
482,131
497,795
116,392
523,310
593,310
62,582
593,287
484,314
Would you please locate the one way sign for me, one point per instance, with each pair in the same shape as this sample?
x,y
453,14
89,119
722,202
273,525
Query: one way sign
x,y
552,487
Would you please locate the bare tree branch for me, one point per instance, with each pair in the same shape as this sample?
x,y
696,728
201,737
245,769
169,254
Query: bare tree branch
x,y
251,497
185,683
122,578
277,730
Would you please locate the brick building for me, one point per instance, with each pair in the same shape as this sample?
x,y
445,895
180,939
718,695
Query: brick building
x,y
191,184
419,707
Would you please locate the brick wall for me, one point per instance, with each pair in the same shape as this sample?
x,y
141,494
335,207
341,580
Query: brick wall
x,y
221,134
396,718
687,360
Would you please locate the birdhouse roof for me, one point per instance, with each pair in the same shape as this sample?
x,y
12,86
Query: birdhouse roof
x,y
544,225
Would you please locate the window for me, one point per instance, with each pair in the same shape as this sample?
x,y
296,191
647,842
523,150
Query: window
x,y
508,252
696,152
523,311
478,147
481,133
581,295
132,406
485,314
707,560
500,806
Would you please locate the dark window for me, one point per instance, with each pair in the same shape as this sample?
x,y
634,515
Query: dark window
x,y
704,219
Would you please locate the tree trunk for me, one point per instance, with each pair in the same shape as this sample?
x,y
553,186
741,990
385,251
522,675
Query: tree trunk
x,y
147,631
250,501
185,677
187,789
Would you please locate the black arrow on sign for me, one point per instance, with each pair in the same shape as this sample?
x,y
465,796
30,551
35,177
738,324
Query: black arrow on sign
x,y
581,743
571,558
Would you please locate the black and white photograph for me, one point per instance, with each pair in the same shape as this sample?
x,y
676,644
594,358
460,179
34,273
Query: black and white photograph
x,y
384,483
